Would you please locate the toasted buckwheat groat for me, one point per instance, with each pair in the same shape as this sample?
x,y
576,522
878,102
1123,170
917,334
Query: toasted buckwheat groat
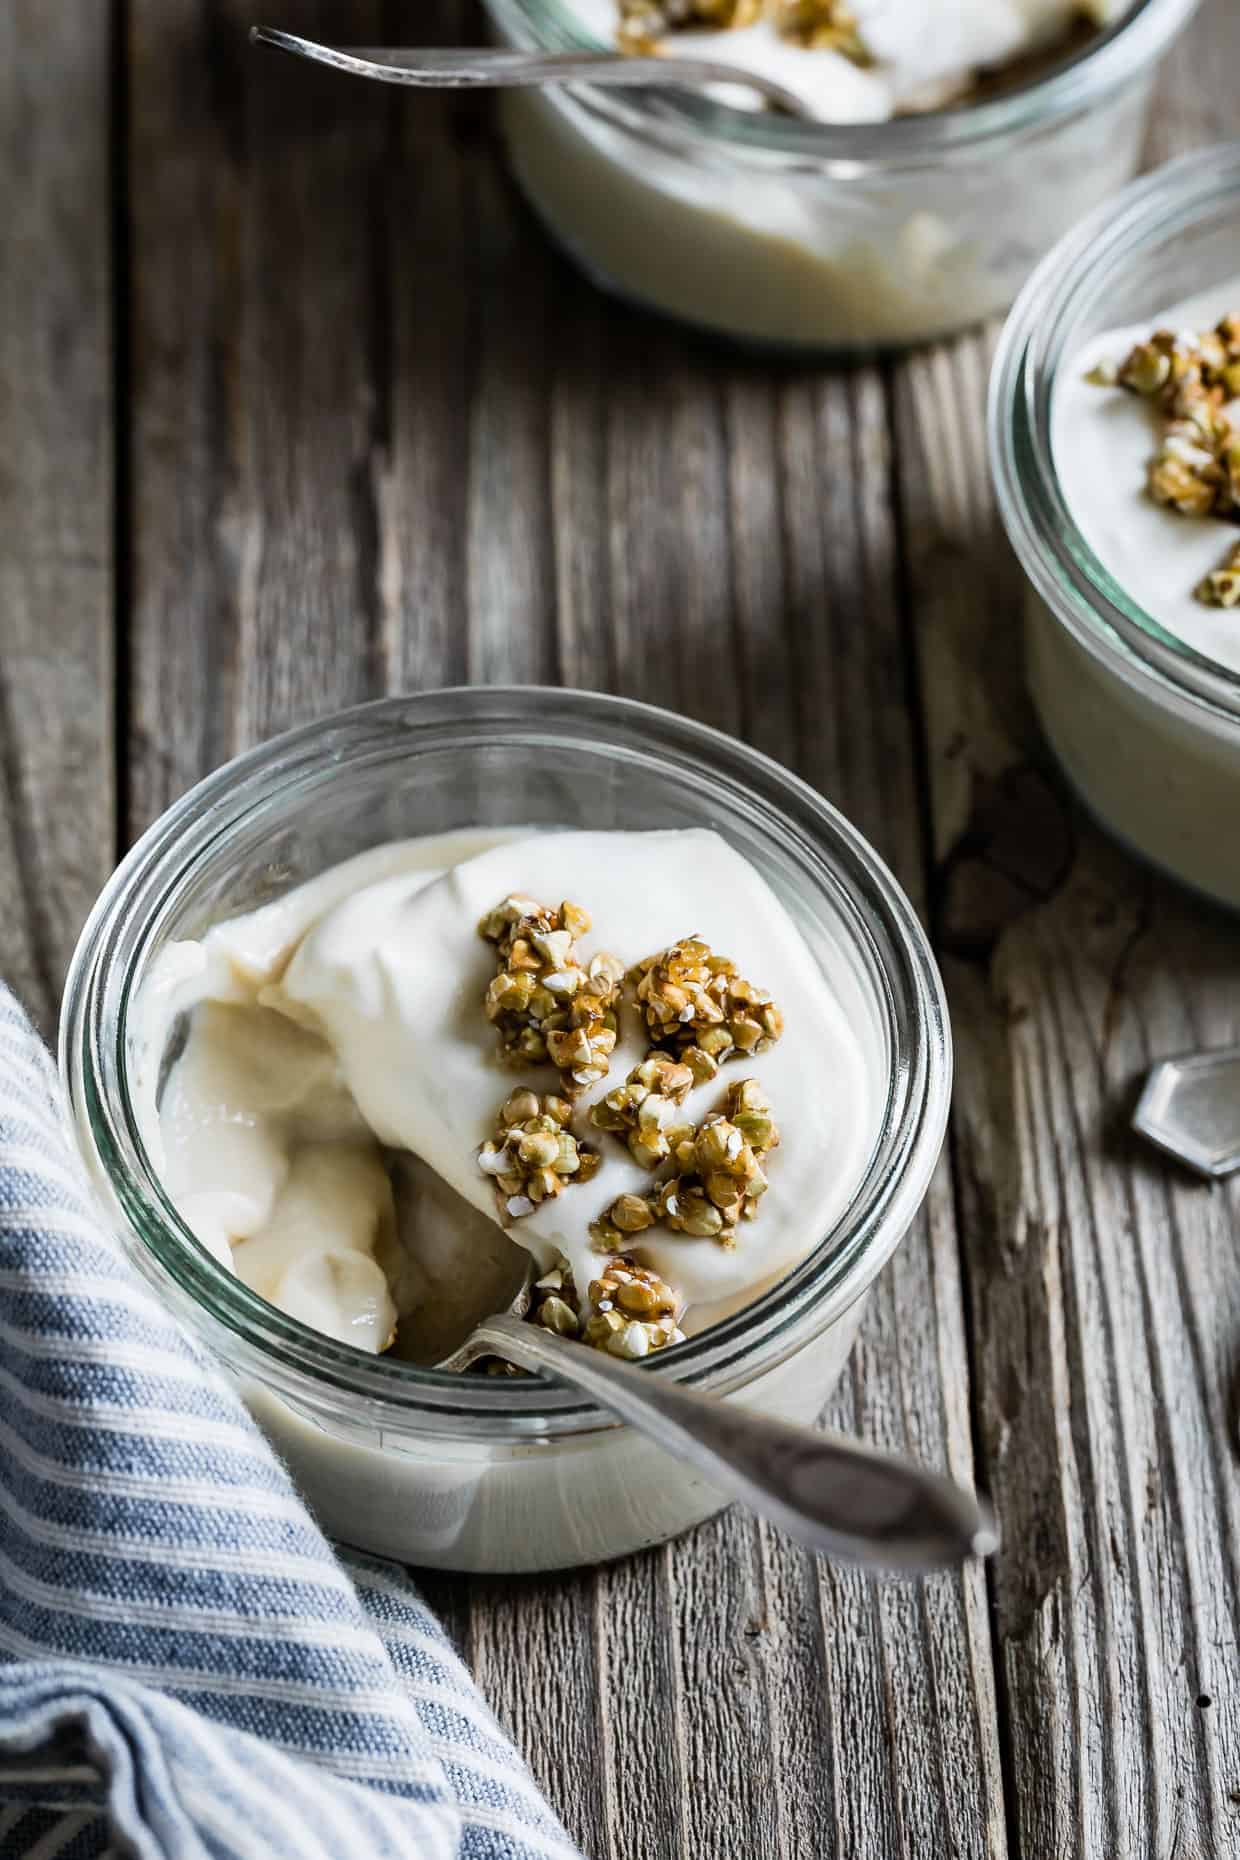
x,y
644,1111
545,1002
818,25
697,1006
534,1156
630,1311
1193,380
719,1181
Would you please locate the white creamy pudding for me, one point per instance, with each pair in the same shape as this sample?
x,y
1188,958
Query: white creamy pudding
x,y
939,158
331,1119
1105,440
860,62
1150,474
1115,452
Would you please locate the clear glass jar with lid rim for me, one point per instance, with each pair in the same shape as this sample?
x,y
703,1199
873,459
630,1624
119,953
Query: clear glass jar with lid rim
x,y
1146,727
473,1472
810,236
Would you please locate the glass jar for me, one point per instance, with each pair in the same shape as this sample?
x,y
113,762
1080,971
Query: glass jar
x,y
472,1472
1146,728
813,236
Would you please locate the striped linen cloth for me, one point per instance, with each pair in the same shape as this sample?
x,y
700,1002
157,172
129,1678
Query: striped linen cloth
x,y
187,1671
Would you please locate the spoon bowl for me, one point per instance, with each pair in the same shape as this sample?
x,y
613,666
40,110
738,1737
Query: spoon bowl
x,y
840,1498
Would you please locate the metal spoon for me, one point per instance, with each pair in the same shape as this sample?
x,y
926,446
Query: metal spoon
x,y
842,1499
1190,1108
483,68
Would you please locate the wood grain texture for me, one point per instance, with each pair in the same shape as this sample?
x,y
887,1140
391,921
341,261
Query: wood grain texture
x,y
1103,1294
771,1707
768,1706
57,827
260,383
380,437
406,445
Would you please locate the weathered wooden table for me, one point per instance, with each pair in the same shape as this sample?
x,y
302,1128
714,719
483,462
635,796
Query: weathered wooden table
x,y
298,407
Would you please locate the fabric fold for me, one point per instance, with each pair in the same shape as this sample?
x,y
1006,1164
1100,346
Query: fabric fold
x,y
186,1667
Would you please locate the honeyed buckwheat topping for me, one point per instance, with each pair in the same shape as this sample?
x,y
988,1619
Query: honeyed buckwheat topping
x,y
699,1012
822,26
534,1156
643,23
719,1181
630,1311
544,1001
643,1110
1221,587
342,1130
819,25
1194,382
697,1006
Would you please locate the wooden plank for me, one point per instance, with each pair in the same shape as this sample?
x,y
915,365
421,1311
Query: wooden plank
x,y
408,445
778,1708
260,387
321,425
57,827
1102,1292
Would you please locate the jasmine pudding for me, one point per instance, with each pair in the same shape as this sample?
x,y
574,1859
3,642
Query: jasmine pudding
x,y
1146,434
609,1054
666,1037
858,61
943,147
1145,430
1115,449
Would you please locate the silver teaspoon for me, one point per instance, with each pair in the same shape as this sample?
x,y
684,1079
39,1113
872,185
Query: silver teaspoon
x,y
840,1498
1191,1109
484,68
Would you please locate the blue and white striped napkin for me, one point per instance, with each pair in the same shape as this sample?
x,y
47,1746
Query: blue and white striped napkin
x,y
187,1671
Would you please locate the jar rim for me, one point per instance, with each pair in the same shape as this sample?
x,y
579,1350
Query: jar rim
x,y
282,1352
694,123
1063,568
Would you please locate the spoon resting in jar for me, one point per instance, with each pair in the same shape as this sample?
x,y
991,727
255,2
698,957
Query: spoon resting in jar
x,y
840,1498
487,68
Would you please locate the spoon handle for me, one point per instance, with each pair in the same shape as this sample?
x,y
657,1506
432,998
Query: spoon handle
x,y
843,1499
486,68
1191,1108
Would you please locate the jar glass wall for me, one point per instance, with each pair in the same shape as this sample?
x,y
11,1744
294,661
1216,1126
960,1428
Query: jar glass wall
x,y
809,236
1146,728
478,1472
